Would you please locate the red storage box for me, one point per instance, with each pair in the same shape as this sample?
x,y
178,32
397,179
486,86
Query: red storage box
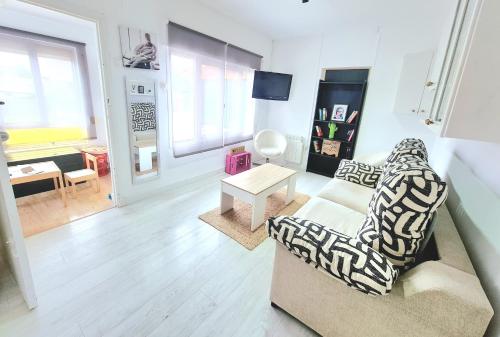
x,y
239,162
101,154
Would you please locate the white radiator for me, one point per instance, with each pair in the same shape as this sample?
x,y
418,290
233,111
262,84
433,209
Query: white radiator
x,y
295,149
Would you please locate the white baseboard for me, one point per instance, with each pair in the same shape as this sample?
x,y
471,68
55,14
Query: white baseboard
x,y
181,186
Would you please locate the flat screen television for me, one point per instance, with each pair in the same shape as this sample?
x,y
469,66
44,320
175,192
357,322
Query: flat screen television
x,y
271,86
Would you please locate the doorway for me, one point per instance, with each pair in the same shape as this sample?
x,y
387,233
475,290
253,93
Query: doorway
x,y
53,117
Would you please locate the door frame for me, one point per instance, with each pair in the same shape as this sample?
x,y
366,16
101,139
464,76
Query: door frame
x,y
15,243
14,239
98,20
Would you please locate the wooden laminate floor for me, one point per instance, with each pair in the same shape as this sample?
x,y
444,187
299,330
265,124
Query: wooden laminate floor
x,y
43,211
149,269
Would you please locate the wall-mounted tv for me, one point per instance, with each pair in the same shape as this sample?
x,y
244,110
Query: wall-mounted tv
x,y
272,86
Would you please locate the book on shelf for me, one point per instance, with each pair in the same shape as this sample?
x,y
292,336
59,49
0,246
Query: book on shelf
x,y
317,146
330,147
350,134
322,114
319,131
352,116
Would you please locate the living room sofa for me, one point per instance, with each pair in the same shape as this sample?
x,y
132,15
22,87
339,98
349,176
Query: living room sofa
x,y
441,296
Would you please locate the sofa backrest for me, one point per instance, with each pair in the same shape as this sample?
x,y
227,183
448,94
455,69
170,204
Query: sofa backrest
x,y
407,147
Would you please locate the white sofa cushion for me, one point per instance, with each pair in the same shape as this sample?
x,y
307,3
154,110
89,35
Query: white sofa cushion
x,y
348,194
332,215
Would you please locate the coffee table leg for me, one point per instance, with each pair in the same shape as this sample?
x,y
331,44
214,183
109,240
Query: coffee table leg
x,y
226,202
290,190
258,212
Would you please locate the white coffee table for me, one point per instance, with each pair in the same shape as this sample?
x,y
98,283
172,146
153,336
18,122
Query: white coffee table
x,y
254,186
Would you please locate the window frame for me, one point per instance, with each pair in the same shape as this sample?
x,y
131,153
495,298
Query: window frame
x,y
198,60
32,45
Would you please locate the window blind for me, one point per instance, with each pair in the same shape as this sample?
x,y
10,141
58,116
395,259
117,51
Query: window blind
x,y
197,67
239,113
211,89
44,82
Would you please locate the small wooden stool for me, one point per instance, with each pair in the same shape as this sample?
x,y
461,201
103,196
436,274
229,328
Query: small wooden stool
x,y
88,174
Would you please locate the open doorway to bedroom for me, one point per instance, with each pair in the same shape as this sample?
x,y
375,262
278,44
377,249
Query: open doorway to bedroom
x,y
53,113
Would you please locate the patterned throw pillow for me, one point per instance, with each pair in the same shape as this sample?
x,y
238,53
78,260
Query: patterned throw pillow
x,y
358,173
407,147
343,257
407,195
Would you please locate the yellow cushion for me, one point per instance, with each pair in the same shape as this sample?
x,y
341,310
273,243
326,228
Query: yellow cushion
x,y
44,135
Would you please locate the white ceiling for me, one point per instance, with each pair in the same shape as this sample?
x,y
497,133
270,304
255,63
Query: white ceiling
x,y
289,18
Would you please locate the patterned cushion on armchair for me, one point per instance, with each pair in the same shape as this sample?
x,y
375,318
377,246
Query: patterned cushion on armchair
x,y
407,195
358,173
343,257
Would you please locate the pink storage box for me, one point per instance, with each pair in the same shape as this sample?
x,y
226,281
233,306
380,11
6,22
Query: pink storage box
x,y
239,162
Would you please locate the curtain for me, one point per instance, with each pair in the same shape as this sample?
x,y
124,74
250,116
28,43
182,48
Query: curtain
x,y
239,113
211,91
44,83
197,66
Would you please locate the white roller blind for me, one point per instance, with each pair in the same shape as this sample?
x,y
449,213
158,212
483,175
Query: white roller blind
x,y
239,113
197,67
44,82
211,91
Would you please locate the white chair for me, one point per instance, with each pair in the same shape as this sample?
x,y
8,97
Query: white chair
x,y
270,144
88,174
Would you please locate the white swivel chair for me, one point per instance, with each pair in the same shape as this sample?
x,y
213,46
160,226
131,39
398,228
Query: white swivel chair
x,y
270,144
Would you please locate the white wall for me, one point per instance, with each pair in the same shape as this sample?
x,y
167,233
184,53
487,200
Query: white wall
x,y
380,47
472,169
153,16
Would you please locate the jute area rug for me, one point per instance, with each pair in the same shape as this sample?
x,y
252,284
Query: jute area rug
x,y
236,222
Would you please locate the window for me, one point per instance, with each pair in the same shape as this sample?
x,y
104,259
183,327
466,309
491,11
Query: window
x,y
44,83
211,90
239,111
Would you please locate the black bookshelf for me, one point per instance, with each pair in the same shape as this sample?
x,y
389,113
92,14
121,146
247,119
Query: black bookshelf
x,y
348,87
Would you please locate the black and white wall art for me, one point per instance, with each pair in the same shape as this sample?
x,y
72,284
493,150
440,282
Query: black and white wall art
x,y
139,49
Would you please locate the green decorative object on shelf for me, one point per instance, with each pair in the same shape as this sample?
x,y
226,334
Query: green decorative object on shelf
x,y
332,127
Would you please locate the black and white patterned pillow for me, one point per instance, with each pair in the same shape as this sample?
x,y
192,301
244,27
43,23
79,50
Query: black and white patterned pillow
x,y
343,257
407,147
407,195
358,173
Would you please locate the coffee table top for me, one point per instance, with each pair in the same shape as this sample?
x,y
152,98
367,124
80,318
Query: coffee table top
x,y
39,171
260,178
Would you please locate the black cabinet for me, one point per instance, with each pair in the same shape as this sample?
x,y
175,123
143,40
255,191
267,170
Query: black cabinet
x,y
339,88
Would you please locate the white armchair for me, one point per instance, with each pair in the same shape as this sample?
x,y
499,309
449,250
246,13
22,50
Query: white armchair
x,y
270,144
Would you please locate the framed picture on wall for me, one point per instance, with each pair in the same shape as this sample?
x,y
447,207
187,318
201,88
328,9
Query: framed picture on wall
x,y
139,49
339,112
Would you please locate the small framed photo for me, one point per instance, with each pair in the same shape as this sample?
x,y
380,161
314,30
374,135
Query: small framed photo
x,y
339,112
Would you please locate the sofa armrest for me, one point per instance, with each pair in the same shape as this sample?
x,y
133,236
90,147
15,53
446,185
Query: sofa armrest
x,y
446,295
340,256
358,173
373,159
